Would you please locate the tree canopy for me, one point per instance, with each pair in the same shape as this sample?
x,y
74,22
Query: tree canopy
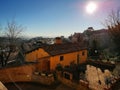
x,y
113,24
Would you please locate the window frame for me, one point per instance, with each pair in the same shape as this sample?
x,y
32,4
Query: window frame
x,y
83,53
61,58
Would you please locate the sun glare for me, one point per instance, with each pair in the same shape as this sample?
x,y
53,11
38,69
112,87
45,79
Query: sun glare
x,y
91,7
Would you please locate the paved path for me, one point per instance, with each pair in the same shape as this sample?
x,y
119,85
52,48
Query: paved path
x,y
36,86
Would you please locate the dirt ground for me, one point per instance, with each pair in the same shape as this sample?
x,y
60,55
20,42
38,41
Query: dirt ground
x,y
36,86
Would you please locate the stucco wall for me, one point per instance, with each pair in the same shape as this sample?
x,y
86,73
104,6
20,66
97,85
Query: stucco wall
x,y
35,55
43,64
83,58
17,74
68,58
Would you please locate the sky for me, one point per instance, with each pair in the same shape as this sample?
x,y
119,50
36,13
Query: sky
x,y
51,18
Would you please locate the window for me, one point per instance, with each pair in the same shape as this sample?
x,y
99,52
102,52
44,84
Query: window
x,y
61,58
78,58
67,76
83,53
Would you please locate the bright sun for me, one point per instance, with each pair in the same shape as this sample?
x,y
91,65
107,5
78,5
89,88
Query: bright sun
x,y
91,7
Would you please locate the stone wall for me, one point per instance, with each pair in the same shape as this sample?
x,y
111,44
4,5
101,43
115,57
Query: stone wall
x,y
71,83
96,77
64,80
25,73
17,74
43,78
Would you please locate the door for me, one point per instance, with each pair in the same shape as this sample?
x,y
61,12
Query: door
x,y
78,58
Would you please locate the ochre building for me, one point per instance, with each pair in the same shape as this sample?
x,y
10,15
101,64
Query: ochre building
x,y
49,56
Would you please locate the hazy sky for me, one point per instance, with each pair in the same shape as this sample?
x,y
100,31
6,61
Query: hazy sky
x,y
55,17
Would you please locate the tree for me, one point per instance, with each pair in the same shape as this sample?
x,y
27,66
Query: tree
x,y
94,52
113,24
12,34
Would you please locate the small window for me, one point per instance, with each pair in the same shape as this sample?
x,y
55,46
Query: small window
x,y
83,53
61,58
67,76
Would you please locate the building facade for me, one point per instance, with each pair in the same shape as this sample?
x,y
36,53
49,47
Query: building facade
x,y
48,57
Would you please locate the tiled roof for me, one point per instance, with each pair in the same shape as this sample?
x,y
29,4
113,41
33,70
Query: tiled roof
x,y
35,48
57,49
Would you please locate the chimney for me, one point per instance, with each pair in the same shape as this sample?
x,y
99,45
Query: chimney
x,y
58,40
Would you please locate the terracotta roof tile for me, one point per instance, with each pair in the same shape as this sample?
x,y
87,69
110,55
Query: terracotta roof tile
x,y
57,49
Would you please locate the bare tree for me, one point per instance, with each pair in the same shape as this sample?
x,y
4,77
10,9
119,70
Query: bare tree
x,y
1,48
113,24
12,34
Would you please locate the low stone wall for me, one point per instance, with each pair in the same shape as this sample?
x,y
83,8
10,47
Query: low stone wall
x,y
77,86
25,73
65,81
17,74
43,78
